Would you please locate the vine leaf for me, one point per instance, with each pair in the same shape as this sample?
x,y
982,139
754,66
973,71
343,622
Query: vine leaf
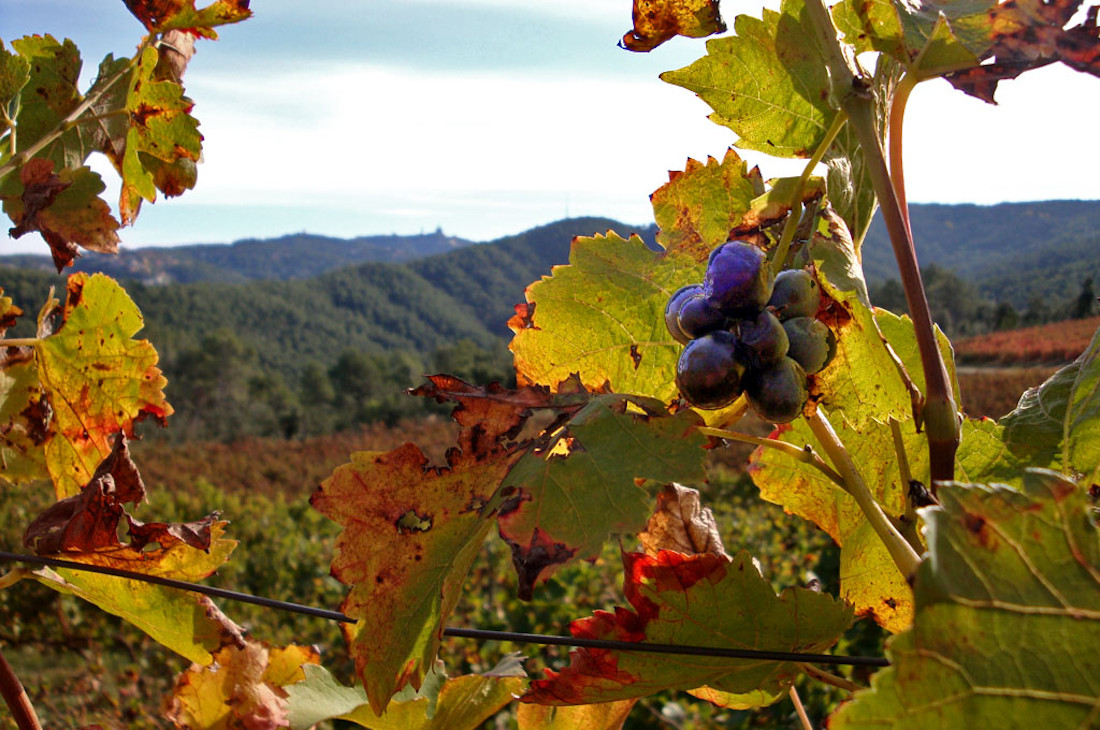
x,y
15,72
49,95
84,529
164,15
602,716
98,379
242,688
412,530
24,412
1029,34
602,318
162,142
869,579
567,497
1007,619
699,600
1082,422
681,523
768,83
656,21
698,207
461,703
64,207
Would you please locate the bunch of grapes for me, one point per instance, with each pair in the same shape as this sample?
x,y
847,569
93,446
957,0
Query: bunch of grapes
x,y
744,331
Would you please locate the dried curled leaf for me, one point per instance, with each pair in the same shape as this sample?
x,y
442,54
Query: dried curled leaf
x,y
656,21
681,523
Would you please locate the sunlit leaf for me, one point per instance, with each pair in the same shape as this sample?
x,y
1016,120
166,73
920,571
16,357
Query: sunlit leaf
x,y
602,317
699,600
1082,422
462,703
24,414
570,496
602,716
15,72
98,379
241,689
768,84
1007,620
656,21
681,523
49,97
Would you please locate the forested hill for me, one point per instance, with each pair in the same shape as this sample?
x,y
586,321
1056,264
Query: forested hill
x,y
1013,252
416,307
296,256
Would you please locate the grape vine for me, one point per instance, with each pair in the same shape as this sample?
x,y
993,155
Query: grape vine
x,y
974,543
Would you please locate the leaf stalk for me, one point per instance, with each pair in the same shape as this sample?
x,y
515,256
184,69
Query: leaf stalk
x,y
806,455
905,557
22,711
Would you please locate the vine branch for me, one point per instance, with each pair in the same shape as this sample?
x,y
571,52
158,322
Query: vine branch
x,y
22,711
939,414
806,455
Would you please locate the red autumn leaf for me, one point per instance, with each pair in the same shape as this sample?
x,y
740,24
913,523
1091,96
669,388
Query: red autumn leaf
x,y
700,600
164,15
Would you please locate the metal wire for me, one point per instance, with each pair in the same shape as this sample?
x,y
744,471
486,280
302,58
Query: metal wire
x,y
479,634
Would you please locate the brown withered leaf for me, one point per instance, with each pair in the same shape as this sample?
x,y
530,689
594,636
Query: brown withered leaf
x,y
64,208
656,21
166,15
1029,34
681,523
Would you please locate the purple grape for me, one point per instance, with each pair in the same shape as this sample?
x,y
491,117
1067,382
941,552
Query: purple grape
x,y
812,343
795,294
708,373
738,279
762,340
672,311
697,317
779,392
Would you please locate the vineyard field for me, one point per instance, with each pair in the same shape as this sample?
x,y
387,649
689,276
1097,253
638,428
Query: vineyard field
x,y
1053,343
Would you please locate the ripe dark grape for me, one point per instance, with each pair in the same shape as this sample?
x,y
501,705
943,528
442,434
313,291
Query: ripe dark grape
x,y
672,311
738,279
812,343
795,294
777,393
763,341
708,373
697,316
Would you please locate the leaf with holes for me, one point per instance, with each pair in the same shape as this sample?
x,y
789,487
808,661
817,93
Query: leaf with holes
x,y
1007,620
698,600
565,499
98,379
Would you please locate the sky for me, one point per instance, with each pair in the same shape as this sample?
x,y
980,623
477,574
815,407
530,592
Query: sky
x,y
488,117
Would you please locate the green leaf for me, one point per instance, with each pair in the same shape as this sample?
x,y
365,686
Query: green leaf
x,y
98,379
1082,422
1007,620
697,600
15,72
24,418
602,317
768,84
48,97
568,497
697,208
162,132
463,703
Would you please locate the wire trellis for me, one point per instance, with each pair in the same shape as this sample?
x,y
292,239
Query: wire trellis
x,y
460,633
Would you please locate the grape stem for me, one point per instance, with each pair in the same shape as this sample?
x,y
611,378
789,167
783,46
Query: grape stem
x,y
12,577
791,226
20,342
905,557
22,711
806,455
803,718
939,414
828,678
908,521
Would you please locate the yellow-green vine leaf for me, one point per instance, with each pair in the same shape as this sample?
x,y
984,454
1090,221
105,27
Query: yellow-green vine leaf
x,y
15,72
768,83
24,414
602,317
602,716
1007,616
1082,421
49,95
99,380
